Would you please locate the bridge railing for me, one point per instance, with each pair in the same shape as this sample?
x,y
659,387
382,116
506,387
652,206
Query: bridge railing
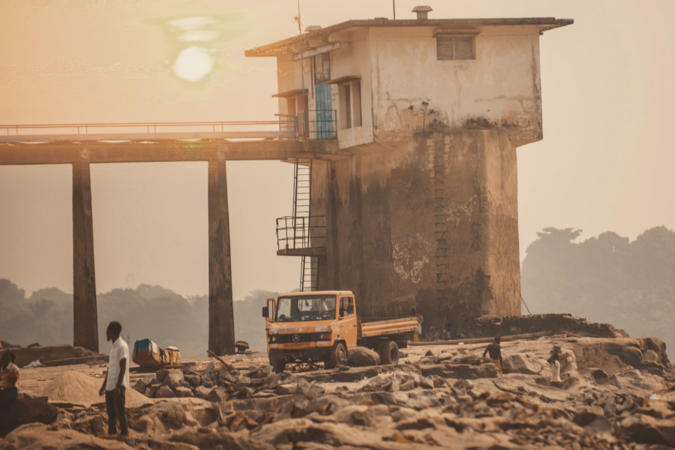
x,y
317,123
282,128
314,124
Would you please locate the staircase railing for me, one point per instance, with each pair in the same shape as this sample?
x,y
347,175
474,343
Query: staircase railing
x,y
301,232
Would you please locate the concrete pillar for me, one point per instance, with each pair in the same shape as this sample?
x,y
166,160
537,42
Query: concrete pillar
x,y
85,315
221,312
331,275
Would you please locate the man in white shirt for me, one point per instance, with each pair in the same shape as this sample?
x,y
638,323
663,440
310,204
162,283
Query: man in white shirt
x,y
116,380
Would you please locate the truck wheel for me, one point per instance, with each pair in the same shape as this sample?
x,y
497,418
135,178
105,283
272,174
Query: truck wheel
x,y
336,357
279,365
389,352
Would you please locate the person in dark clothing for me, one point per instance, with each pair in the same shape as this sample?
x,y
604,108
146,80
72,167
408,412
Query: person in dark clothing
x,y
495,351
9,375
116,380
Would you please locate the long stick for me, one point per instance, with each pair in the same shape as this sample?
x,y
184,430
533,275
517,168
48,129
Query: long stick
x,y
523,300
70,361
226,365
484,340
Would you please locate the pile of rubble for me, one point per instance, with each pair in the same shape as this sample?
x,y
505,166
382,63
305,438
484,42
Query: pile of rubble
x,y
262,382
438,397
213,385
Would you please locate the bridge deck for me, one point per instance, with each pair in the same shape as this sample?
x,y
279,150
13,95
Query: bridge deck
x,y
167,150
157,142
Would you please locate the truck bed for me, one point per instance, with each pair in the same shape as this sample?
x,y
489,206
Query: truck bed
x,y
385,327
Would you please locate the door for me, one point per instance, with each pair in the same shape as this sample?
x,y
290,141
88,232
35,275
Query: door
x,y
347,322
322,92
324,112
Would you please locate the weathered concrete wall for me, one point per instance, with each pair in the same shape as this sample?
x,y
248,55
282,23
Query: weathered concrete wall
x,y
432,225
499,89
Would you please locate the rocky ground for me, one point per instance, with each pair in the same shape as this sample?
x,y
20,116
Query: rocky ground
x,y
616,393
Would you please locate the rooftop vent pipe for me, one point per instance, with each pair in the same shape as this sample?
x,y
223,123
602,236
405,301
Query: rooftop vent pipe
x,y
422,12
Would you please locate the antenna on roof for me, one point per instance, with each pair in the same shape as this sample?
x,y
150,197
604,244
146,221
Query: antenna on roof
x,y
297,19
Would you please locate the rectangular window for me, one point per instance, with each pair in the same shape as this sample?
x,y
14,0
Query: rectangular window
x,y
348,106
321,68
357,104
346,306
455,47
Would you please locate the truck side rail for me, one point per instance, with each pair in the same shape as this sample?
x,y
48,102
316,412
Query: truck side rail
x,y
395,326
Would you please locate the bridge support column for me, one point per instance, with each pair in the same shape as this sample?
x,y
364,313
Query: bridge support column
x,y
85,317
221,311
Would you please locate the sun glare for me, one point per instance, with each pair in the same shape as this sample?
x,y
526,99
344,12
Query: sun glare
x,y
193,64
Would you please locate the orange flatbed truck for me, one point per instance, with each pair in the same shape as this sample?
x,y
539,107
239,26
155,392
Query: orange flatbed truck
x,y
323,326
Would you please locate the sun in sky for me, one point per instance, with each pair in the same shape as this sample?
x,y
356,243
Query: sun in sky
x,y
196,61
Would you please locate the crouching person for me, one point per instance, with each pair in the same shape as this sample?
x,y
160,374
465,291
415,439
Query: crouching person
x,y
9,375
495,350
116,380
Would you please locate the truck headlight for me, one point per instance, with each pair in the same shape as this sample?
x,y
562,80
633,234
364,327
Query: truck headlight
x,y
273,338
324,337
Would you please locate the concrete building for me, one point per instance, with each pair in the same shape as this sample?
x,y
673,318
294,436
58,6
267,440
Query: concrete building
x,y
418,206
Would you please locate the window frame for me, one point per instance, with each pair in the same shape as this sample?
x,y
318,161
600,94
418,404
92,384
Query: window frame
x,y
320,76
351,109
454,36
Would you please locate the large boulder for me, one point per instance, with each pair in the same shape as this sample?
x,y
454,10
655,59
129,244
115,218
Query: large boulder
x,y
165,392
193,380
184,392
631,356
173,379
37,435
202,392
362,357
521,363
27,410
217,395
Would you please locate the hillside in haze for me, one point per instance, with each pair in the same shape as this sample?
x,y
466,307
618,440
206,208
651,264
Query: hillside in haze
x,y
605,279
154,312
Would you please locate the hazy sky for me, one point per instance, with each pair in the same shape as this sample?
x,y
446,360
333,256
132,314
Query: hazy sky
x,y
604,164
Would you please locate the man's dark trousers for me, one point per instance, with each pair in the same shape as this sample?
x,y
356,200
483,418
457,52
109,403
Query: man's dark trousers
x,y
115,408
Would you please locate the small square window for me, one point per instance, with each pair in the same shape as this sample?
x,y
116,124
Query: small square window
x,y
455,47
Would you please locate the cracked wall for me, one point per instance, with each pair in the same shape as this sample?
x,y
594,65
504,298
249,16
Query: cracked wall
x,y
432,225
500,89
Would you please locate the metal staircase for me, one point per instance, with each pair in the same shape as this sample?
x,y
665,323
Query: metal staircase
x,y
309,273
302,190
302,201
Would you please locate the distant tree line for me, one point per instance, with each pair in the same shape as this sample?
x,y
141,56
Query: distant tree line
x,y
46,317
605,279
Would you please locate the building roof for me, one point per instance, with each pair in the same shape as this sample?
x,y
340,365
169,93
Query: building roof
x,y
309,40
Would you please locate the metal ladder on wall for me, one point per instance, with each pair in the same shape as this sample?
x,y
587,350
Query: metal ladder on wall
x,y
309,273
302,196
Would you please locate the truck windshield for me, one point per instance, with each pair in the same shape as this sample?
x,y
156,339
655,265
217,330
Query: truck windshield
x,y
296,309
